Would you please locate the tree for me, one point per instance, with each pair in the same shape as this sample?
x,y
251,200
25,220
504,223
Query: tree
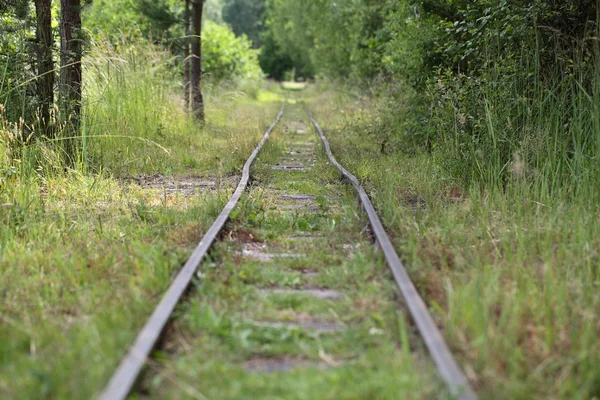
x,y
274,61
246,17
45,63
17,60
196,58
292,26
70,67
186,56
20,8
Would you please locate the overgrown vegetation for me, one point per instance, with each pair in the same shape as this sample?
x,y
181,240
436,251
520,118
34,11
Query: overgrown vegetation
x,y
225,56
511,277
86,248
83,255
480,142
491,84
474,124
255,311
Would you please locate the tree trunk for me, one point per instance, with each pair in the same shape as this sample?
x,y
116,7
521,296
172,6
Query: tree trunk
x,y
70,69
186,59
45,64
196,78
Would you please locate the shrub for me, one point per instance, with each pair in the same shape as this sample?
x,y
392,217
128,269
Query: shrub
x,y
225,56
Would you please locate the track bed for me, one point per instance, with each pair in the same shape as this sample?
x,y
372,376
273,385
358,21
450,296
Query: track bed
x,y
296,302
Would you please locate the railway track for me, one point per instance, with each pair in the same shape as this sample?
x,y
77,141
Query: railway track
x,y
292,234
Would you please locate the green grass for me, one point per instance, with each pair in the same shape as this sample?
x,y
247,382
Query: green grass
x,y
511,273
81,267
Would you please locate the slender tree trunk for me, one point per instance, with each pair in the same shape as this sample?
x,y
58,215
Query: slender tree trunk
x,y
45,64
196,73
186,53
70,68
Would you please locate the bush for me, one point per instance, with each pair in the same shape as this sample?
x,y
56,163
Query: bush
x,y
225,56
512,89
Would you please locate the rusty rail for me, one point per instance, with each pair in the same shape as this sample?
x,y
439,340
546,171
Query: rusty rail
x,y
122,381
447,366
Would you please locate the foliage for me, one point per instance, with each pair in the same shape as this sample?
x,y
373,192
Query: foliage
x,y
287,38
131,18
213,10
17,61
161,20
226,56
487,80
246,17
339,39
273,59
513,83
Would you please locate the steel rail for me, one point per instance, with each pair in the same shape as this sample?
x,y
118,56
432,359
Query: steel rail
x,y
440,353
122,381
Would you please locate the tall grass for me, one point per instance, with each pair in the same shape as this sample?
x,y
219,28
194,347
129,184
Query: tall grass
x,y
515,124
133,119
130,107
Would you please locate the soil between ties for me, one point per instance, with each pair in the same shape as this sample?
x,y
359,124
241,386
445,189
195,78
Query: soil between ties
x,y
295,303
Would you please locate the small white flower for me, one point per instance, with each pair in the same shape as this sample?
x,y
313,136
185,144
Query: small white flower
x,y
375,332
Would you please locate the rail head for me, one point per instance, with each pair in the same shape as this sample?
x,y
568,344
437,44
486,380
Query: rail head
x,y
123,380
447,366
